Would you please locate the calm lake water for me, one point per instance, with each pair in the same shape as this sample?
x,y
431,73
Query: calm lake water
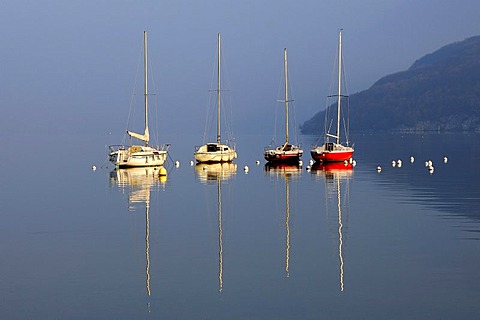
x,y
219,243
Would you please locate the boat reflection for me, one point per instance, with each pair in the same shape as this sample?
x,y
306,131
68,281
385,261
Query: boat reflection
x,y
287,172
337,178
214,174
138,183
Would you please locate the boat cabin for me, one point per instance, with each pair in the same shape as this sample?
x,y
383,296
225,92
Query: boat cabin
x,y
213,147
329,146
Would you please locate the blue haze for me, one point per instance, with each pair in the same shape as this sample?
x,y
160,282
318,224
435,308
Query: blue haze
x,y
69,66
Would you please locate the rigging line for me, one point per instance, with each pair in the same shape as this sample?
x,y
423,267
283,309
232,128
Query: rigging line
x,y
209,96
132,97
346,124
281,86
106,158
152,78
332,86
226,84
344,76
294,110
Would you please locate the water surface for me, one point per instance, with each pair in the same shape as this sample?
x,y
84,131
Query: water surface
x,y
211,242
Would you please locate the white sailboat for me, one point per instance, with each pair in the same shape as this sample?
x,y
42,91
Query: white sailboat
x,y
334,151
140,155
216,151
287,152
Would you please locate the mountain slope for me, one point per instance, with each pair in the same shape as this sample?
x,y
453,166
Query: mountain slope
x,y
440,92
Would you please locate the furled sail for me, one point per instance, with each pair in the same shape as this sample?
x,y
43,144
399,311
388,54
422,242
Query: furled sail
x,y
144,137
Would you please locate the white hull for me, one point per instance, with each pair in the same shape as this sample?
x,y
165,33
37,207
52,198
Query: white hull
x,y
285,153
214,152
138,156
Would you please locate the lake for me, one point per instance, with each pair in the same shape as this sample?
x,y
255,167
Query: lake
x,y
216,242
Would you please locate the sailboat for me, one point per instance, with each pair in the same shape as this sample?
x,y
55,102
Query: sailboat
x,y
287,152
334,151
216,151
142,155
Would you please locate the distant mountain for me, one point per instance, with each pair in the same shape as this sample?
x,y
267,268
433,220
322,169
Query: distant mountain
x,y
439,92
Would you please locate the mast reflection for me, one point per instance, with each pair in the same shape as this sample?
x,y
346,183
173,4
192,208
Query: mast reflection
x,y
214,174
138,182
337,176
286,171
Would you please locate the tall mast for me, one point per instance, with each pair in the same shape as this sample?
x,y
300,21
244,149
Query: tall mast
x,y
339,97
218,89
286,93
145,66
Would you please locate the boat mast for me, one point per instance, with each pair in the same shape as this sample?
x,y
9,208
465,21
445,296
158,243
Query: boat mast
x,y
286,93
218,90
339,97
145,66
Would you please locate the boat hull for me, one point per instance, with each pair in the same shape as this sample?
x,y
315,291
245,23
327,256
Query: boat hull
x,y
275,156
138,156
287,153
331,152
214,152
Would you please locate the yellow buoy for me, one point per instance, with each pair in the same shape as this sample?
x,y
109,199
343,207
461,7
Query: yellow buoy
x,y
162,172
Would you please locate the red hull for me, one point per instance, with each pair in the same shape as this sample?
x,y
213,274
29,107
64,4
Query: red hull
x,y
331,167
282,158
331,156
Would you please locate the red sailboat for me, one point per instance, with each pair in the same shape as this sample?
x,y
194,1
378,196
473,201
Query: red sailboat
x,y
334,151
287,152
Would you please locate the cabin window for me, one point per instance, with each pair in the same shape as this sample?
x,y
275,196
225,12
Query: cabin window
x,y
211,148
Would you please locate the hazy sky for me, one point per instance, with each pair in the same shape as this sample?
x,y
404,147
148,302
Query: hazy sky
x,y
71,65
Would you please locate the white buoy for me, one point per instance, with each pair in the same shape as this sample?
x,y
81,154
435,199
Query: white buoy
x,y
426,163
399,163
300,163
345,162
192,163
412,159
94,167
431,169
310,162
379,168
309,168
445,159
177,164
257,162
245,169
394,163
354,163
430,163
